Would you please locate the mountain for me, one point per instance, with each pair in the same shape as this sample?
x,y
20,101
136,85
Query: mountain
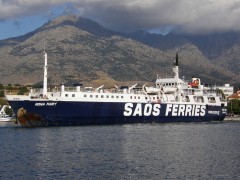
x,y
163,42
221,49
80,49
213,45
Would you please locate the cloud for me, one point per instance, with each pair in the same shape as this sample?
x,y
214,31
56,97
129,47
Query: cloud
x,y
11,9
129,15
183,15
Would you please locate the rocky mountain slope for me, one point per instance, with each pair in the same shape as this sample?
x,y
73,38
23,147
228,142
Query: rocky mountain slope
x,y
82,50
221,49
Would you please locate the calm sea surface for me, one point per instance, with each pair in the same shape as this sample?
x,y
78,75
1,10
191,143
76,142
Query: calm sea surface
x,y
142,151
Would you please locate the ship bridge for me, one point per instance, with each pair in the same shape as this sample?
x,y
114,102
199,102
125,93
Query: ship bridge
x,y
170,85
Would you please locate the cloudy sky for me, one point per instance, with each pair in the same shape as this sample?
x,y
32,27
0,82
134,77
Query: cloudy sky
x,y
18,17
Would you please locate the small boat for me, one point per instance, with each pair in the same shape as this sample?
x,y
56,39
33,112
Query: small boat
x,y
150,90
5,119
3,116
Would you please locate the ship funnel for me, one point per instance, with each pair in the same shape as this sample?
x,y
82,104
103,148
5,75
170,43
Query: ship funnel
x,y
175,68
176,62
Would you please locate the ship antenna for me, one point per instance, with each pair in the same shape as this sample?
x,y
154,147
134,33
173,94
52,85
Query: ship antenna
x,y
45,74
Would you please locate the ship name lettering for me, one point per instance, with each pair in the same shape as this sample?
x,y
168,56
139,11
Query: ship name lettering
x,y
51,104
214,112
141,109
185,110
45,104
39,104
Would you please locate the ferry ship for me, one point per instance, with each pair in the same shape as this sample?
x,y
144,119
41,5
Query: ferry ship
x,y
170,100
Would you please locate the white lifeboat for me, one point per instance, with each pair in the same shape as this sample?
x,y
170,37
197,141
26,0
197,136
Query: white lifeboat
x,y
151,90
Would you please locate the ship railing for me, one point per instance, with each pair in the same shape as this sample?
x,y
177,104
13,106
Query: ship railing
x,y
38,91
211,94
103,90
70,89
227,90
188,93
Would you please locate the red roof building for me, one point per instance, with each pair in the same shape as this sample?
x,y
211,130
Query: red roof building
x,y
235,95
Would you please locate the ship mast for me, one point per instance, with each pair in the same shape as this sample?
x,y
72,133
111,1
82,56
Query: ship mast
x,y
45,75
175,69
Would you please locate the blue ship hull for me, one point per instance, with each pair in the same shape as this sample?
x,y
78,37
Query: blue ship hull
x,y
63,113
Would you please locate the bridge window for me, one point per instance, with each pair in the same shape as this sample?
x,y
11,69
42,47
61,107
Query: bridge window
x,y
186,99
211,100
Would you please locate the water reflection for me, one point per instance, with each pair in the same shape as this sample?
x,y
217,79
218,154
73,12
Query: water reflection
x,y
150,151
80,152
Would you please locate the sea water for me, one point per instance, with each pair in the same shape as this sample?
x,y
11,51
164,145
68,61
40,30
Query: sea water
x,y
140,151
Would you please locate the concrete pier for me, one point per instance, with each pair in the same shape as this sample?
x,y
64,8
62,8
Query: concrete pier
x,y
232,118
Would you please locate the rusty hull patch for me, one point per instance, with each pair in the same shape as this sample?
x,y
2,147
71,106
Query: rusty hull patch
x,y
27,119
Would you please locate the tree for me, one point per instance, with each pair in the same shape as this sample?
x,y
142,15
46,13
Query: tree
x,y
1,93
9,87
22,90
8,111
234,106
